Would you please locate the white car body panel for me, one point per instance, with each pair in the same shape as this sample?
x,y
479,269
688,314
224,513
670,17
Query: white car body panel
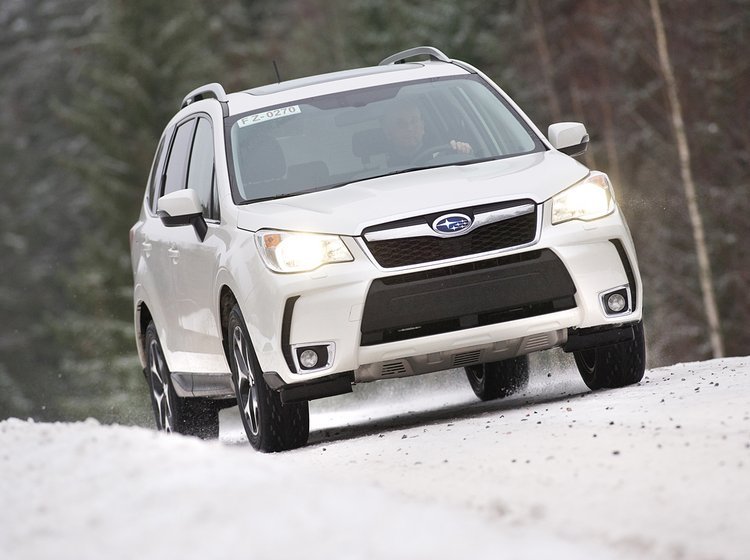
x,y
247,101
370,202
181,289
334,296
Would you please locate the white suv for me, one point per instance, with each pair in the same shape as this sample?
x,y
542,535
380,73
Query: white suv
x,y
304,236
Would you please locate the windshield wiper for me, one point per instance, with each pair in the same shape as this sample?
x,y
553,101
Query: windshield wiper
x,y
448,164
296,193
359,180
272,197
419,168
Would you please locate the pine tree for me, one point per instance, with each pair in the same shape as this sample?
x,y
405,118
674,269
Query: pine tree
x,y
696,220
146,57
39,204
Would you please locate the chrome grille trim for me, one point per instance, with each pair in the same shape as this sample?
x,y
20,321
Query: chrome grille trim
x,y
424,230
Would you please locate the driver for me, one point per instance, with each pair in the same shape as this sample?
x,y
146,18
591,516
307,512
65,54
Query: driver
x,y
404,133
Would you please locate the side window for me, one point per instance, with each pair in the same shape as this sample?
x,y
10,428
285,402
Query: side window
x,y
156,168
215,213
201,169
175,179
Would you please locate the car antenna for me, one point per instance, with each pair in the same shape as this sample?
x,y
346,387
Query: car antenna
x,y
276,69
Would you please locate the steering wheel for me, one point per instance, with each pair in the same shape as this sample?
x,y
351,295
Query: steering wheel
x,y
433,151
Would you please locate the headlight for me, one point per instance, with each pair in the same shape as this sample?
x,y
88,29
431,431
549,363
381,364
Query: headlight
x,y
590,199
284,251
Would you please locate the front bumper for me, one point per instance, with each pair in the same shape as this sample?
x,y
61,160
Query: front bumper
x,y
480,309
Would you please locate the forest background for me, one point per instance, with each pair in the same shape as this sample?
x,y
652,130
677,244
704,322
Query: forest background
x,y
86,87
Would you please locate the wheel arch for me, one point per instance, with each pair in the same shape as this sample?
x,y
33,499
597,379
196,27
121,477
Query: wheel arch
x,y
142,319
227,300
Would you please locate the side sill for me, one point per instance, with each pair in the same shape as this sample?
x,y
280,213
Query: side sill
x,y
213,385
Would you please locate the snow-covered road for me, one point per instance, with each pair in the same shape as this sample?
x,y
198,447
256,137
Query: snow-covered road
x,y
408,469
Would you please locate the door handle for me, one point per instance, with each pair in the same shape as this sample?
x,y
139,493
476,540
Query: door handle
x,y
146,246
174,254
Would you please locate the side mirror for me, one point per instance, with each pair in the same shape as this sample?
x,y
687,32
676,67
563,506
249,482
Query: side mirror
x,y
182,208
570,138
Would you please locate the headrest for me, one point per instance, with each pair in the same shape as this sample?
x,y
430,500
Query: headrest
x,y
312,173
263,159
370,142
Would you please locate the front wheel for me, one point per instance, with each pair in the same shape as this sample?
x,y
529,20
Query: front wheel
x,y
498,380
270,425
189,416
614,366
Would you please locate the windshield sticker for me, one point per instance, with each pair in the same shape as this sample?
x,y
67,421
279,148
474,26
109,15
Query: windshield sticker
x,y
269,115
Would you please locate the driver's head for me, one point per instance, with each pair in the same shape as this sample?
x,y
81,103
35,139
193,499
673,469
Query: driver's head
x,y
403,126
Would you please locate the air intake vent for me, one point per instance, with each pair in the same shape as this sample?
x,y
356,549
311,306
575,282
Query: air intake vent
x,y
394,368
537,342
466,359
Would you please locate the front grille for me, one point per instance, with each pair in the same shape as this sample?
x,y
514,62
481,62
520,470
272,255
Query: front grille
x,y
513,232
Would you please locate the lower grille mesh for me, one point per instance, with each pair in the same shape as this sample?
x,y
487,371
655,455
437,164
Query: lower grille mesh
x,y
467,295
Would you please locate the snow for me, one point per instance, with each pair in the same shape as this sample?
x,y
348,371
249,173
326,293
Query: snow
x,y
407,469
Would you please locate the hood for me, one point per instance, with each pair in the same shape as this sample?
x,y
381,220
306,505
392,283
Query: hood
x,y
349,209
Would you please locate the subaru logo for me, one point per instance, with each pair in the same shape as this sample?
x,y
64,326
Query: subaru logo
x,y
451,224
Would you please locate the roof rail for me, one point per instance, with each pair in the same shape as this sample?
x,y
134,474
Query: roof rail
x,y
214,90
399,57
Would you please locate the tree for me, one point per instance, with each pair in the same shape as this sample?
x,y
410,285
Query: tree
x,y
87,87
144,58
706,279
38,229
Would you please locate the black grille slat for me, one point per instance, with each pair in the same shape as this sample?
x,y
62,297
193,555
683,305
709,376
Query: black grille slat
x,y
513,232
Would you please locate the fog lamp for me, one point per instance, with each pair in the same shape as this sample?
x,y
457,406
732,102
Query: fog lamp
x,y
311,358
308,359
616,302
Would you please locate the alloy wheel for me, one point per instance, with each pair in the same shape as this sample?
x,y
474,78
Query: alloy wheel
x,y
588,360
160,390
247,389
477,374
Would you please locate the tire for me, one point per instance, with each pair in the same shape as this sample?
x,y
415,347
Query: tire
x,y
190,416
270,425
497,380
614,366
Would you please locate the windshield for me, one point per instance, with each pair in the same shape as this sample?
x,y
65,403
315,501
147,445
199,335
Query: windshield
x,y
336,139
